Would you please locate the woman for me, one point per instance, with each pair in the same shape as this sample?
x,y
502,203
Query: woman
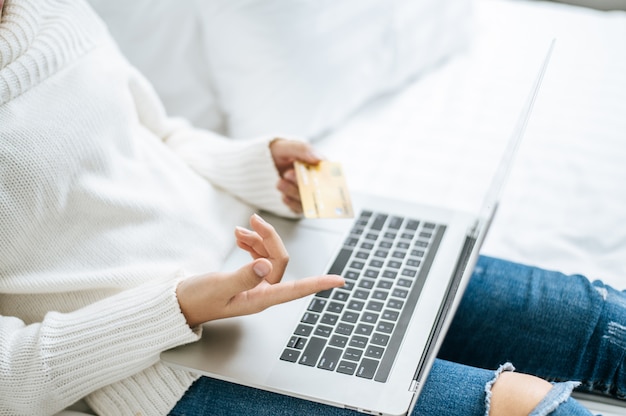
x,y
113,216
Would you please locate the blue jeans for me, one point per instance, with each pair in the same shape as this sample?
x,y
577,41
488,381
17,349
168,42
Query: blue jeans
x,y
548,324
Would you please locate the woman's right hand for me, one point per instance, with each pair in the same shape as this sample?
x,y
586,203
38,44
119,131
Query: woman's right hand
x,y
252,288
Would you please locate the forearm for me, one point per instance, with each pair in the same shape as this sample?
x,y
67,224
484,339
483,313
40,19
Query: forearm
x,y
47,366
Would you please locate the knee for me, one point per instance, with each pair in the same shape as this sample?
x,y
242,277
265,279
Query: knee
x,y
517,394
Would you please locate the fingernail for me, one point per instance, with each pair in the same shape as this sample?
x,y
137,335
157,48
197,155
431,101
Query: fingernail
x,y
242,230
261,268
258,217
290,175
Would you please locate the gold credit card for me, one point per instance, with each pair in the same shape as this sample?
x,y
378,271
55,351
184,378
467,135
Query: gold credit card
x,y
323,190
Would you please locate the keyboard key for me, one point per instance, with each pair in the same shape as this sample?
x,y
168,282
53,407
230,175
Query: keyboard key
x,y
412,224
358,341
374,352
376,263
346,367
290,355
310,318
297,343
330,358
362,255
312,352
381,253
367,368
353,354
379,339
385,244
394,264
379,295
384,284
329,319
364,329
395,223
395,304
367,246
317,305
356,305
361,294
351,274
344,329
323,331
338,341
340,261
375,306
413,262
405,282
385,327
341,296
399,254
400,293
350,243
379,221
371,273
409,272
366,284
349,316
303,330
369,317
358,265
390,315
324,293
335,307
390,274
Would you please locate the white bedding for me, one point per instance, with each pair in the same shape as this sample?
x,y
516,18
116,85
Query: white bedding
x,y
564,206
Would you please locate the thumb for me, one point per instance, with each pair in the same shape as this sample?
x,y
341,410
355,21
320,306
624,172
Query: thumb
x,y
250,275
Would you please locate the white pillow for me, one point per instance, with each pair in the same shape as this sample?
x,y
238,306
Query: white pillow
x,y
163,40
302,66
298,67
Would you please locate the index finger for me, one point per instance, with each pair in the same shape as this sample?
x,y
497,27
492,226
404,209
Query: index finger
x,y
287,291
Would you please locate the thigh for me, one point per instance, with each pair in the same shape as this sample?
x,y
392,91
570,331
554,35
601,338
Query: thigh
x,y
450,389
546,323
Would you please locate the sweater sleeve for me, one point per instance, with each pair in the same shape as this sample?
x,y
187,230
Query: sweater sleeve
x,y
244,168
47,366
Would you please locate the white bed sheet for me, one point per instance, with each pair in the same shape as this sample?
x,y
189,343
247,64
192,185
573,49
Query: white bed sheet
x,y
438,141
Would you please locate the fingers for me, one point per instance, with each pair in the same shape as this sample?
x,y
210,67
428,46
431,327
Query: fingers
x,y
271,295
288,186
264,242
285,152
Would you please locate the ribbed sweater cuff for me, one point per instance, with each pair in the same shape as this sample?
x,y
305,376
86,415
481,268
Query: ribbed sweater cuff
x,y
154,391
112,339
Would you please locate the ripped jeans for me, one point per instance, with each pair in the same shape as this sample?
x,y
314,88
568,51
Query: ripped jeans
x,y
561,328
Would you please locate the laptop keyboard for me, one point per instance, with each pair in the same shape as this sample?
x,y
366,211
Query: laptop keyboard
x,y
357,329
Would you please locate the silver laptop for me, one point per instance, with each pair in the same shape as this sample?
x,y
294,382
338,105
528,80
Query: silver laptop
x,y
367,346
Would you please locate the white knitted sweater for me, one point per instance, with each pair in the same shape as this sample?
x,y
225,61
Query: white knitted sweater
x,y
103,199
